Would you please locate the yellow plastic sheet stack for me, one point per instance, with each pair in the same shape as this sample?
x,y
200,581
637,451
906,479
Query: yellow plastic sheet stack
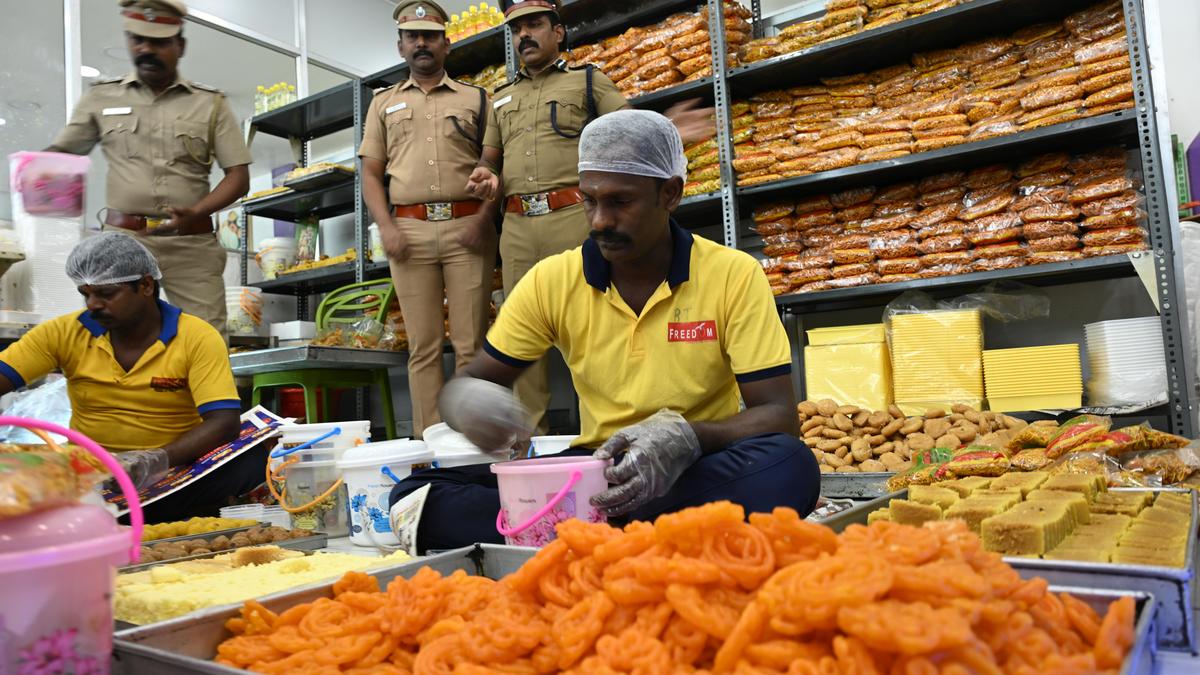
x,y
1033,378
850,365
937,360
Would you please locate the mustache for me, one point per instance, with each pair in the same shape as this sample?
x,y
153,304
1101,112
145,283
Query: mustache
x,y
148,60
422,52
609,237
527,42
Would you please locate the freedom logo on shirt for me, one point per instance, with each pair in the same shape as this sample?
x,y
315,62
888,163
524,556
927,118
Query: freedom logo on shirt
x,y
168,384
692,331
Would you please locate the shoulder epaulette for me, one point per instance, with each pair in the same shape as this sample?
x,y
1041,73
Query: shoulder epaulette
x,y
510,82
107,80
206,87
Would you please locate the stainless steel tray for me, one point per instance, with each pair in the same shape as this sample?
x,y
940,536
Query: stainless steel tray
x,y
854,485
1172,587
314,181
313,543
186,645
204,535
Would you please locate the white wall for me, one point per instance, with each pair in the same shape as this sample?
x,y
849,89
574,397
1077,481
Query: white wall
x,y
1181,49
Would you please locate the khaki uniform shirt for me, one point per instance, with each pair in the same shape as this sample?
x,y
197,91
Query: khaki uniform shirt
x,y
537,158
156,146
429,141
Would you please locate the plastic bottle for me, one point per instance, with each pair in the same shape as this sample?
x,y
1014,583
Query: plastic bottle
x,y
258,100
452,28
472,21
292,98
496,17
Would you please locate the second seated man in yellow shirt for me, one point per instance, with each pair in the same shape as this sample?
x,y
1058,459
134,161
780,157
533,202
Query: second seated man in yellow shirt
x,y
422,139
666,335
146,381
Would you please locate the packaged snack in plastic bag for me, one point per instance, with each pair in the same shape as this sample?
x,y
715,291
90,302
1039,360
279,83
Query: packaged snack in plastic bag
x,y
31,481
1036,435
1030,459
1076,432
1171,466
977,460
924,470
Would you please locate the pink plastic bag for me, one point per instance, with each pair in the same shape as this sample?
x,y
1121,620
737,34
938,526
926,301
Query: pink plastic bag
x,y
50,183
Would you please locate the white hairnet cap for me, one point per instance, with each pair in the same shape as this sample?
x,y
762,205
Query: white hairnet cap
x,y
110,258
636,142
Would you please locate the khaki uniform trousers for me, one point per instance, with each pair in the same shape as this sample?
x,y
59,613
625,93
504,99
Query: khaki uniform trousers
x,y
193,269
440,272
525,241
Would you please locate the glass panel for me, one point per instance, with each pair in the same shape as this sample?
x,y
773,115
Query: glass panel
x,y
32,96
320,79
273,18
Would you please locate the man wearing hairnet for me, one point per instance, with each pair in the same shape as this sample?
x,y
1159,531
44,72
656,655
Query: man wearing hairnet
x,y
666,335
146,381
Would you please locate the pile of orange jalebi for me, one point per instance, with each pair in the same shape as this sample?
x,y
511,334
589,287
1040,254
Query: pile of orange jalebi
x,y
702,590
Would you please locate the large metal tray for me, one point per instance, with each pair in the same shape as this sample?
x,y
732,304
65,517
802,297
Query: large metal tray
x,y
314,543
854,485
314,181
186,645
204,535
1172,587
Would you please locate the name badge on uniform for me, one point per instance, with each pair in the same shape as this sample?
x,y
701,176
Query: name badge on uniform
x,y
398,106
500,102
117,111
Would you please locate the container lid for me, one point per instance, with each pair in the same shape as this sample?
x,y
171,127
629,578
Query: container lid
x,y
446,442
361,428
371,455
544,465
59,536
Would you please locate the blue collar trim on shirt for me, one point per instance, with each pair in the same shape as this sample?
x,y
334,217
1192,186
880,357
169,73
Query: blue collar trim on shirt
x,y
170,322
598,271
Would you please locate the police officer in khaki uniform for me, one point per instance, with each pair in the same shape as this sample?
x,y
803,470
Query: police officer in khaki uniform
x,y
425,136
160,134
532,142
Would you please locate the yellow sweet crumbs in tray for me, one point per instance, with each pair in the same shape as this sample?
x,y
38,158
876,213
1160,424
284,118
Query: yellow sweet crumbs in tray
x,y
166,595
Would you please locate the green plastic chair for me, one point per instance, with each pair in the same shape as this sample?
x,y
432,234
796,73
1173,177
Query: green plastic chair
x,y
346,306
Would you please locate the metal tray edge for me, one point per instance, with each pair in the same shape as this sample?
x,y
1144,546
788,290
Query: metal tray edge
x,y
298,544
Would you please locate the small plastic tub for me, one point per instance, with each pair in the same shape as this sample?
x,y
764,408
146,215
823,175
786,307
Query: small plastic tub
x,y
540,446
451,449
276,255
537,494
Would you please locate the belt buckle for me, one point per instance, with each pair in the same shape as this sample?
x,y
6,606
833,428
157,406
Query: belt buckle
x,y
153,223
438,211
536,204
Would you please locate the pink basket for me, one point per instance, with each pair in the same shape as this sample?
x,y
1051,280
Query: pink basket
x,y
57,568
537,494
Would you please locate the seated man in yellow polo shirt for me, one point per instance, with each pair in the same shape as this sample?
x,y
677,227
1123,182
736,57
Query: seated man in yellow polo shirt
x,y
665,333
146,381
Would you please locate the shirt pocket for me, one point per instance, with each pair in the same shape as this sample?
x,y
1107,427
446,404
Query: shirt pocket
x,y
399,126
567,117
117,134
191,143
461,123
510,118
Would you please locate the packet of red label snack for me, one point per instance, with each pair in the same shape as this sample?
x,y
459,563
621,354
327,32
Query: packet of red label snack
x,y
1076,432
977,460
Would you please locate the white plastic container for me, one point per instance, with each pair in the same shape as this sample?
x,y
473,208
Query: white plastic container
x,y
370,471
243,310
540,446
451,448
351,434
375,244
276,255
294,330
311,477
243,511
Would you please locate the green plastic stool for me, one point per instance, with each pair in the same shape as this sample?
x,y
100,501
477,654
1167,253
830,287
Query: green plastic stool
x,y
345,305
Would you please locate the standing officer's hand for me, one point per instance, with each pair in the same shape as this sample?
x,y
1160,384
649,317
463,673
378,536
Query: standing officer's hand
x,y
483,184
476,231
395,244
182,220
656,452
694,123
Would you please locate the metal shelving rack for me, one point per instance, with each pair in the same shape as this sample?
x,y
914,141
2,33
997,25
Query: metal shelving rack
x,y
588,20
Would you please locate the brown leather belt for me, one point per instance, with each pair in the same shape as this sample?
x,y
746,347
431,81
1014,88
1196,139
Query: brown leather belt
x,y
438,211
541,203
127,221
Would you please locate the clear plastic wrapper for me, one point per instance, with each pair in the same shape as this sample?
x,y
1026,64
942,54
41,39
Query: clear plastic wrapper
x,y
1114,236
806,261
993,235
1038,257
906,207
1107,80
851,256
1076,432
898,278
853,196
850,282
851,269
754,162
1039,197
1128,217
897,193
987,176
1047,97
944,244
993,128
851,240
939,122
1064,242
835,159
895,244
782,249
1048,228
709,173
1008,249
942,229
807,221
771,109
933,271
932,260
940,181
855,214
941,132
1116,249
845,80
33,481
1035,33
1009,59
1115,94
905,265
982,111
1047,163
881,153
993,264
1110,158
814,239
808,276
890,138
1171,466
773,228
947,197
771,136
973,197
842,139
1125,200
885,224
773,211
1100,50
1055,211
1042,180
1098,68
987,207
1102,188
786,237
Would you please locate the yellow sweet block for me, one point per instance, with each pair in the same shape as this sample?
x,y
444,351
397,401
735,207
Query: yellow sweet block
x,y
973,511
876,516
851,374
966,486
1029,528
931,494
1025,482
1100,555
1077,502
908,512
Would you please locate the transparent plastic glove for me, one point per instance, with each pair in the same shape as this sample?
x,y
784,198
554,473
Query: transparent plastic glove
x,y
145,467
485,412
656,452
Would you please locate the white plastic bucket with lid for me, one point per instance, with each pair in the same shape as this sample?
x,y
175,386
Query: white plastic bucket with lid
x,y
540,446
57,569
451,448
276,255
370,472
306,463
243,310
537,494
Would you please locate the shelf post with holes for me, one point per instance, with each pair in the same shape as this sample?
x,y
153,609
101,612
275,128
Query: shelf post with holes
x,y
721,96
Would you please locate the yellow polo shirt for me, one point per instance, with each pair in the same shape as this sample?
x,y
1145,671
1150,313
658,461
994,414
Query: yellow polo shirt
x,y
183,375
710,325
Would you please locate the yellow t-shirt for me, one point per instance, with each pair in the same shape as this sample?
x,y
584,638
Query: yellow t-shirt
x,y
710,325
184,374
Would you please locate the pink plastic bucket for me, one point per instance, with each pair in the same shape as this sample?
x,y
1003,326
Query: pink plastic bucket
x,y
537,494
57,569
